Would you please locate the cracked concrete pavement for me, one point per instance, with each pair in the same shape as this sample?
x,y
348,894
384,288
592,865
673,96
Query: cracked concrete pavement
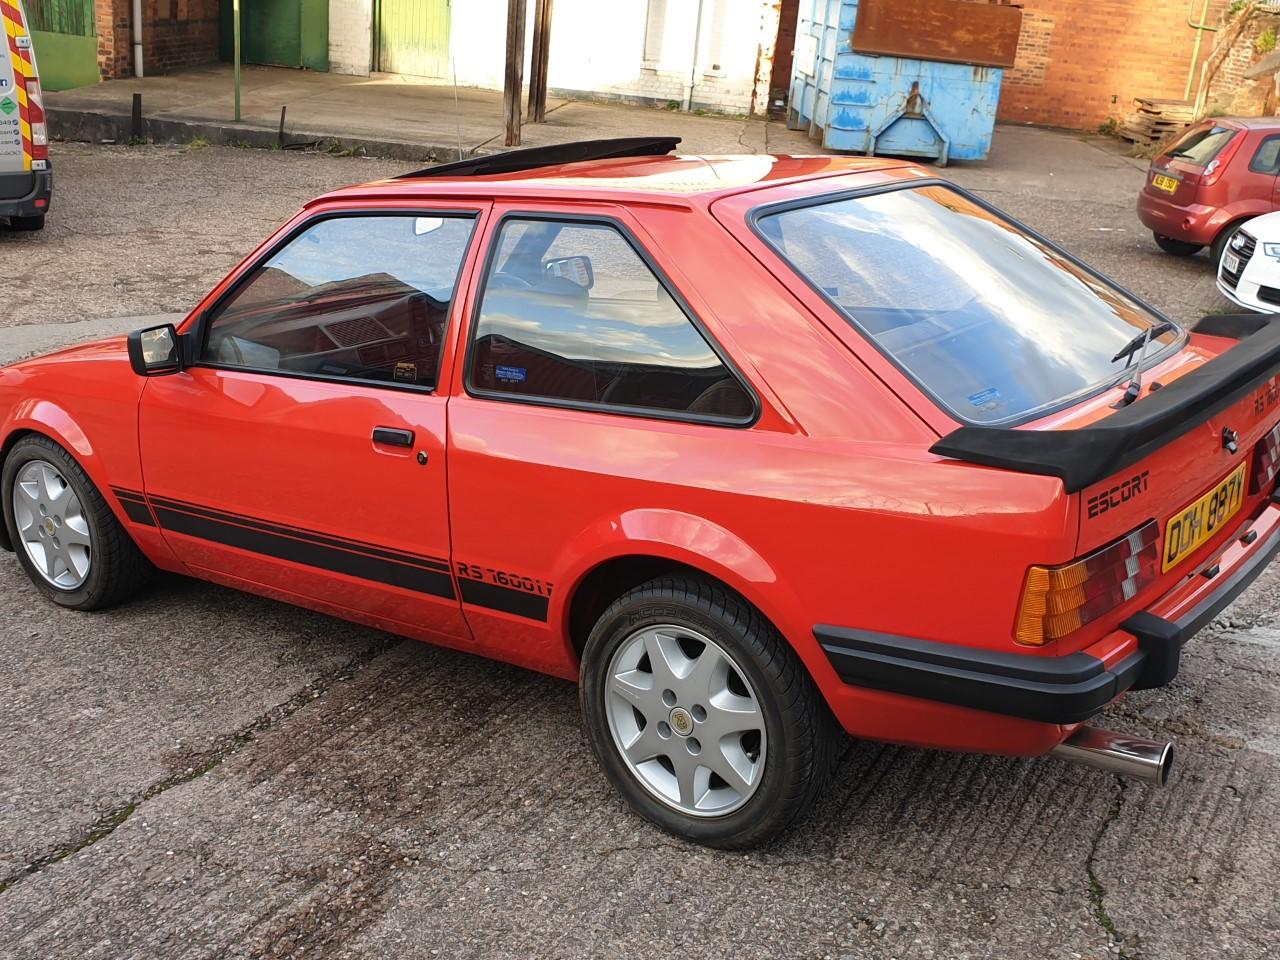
x,y
206,774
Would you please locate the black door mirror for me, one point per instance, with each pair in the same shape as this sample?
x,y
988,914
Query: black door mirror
x,y
155,351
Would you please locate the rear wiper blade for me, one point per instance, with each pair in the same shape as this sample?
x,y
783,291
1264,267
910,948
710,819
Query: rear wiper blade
x,y
1133,389
1153,331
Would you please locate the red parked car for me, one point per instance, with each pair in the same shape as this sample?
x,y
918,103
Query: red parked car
x,y
757,449
1219,174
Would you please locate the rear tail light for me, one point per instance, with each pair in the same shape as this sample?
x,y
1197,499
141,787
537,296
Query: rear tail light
x,y
1058,601
1266,461
39,126
1214,169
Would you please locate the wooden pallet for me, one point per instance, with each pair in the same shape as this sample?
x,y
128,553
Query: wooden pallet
x,y
1156,120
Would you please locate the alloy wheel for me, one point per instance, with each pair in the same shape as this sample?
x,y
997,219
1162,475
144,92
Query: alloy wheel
x,y
686,720
52,525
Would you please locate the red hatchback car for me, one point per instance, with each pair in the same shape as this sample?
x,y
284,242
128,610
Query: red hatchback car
x,y
1219,174
756,448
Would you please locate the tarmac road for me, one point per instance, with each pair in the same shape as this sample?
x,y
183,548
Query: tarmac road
x,y
206,774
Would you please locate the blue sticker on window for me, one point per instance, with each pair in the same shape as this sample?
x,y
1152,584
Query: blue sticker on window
x,y
989,395
512,374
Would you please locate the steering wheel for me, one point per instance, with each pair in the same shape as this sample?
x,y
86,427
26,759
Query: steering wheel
x,y
508,281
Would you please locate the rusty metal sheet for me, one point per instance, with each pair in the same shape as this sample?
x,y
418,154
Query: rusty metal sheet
x,y
953,31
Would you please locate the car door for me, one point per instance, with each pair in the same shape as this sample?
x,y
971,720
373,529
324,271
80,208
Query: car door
x,y
304,451
1265,165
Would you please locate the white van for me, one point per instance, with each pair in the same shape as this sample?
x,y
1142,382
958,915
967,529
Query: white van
x,y
26,182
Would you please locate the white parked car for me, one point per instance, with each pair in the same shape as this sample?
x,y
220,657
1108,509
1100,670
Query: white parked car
x,y
1249,272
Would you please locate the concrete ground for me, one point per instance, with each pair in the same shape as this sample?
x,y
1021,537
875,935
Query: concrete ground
x,y
384,115
206,774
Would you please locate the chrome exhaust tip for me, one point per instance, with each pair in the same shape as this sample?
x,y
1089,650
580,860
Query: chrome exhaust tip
x,y
1136,757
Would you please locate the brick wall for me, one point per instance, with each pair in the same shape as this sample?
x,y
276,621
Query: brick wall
x,y
175,34
1082,61
1229,92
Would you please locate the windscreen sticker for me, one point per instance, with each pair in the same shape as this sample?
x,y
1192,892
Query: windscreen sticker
x,y
405,372
985,398
512,374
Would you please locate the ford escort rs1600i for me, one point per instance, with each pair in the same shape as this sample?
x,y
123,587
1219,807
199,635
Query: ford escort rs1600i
x,y
757,449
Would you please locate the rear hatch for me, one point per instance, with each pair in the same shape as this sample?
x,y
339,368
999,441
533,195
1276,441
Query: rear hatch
x,y
1032,362
1201,152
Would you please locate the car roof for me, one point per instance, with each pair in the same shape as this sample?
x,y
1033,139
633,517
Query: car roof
x,y
1246,123
662,179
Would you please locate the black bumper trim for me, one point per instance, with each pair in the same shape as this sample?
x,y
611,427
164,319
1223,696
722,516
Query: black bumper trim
x,y
1049,689
1162,640
25,206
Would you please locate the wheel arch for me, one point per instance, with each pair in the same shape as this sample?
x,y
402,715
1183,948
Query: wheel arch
x,y
49,420
624,552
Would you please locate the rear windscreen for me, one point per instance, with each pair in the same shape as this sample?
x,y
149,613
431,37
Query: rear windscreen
x,y
994,323
1202,144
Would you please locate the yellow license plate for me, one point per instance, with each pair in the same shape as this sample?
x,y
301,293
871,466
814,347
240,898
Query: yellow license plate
x,y
1194,524
1167,184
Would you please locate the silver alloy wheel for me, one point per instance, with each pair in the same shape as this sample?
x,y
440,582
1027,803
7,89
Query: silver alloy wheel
x,y
52,526
685,720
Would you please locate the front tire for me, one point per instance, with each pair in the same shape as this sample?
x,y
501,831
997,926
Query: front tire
x,y
702,716
65,536
1179,248
1220,244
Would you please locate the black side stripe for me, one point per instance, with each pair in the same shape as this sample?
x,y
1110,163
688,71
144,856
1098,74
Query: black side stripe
x,y
490,595
135,506
363,566
298,533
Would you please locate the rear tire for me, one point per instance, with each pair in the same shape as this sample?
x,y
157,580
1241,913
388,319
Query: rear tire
x,y
1179,248
65,536
28,224
1220,244
683,681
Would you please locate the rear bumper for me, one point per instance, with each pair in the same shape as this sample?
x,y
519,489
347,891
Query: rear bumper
x,y
21,191
1144,652
1193,223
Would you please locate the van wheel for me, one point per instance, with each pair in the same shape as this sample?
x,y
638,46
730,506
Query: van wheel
x,y
66,538
30,224
702,716
1220,244
1179,248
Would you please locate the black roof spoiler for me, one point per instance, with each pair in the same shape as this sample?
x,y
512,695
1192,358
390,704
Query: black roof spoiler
x,y
1083,456
533,157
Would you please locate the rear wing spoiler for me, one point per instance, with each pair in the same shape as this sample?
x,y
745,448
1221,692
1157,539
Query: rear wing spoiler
x,y
1083,456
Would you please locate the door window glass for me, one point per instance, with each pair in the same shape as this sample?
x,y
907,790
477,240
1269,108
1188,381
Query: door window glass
x,y
365,297
571,312
1267,159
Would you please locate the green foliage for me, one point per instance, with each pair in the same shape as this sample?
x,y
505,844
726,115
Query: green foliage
x,y
199,142
1109,127
1266,41
1235,8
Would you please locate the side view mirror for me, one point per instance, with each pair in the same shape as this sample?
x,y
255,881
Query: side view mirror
x,y
574,269
155,351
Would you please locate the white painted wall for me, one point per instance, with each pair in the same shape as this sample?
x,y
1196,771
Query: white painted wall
x,y
631,50
350,36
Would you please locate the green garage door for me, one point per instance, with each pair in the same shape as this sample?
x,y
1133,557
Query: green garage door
x,y
62,32
413,37
282,33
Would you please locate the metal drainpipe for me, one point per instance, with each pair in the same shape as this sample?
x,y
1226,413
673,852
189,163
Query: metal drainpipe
x,y
137,38
693,67
1200,29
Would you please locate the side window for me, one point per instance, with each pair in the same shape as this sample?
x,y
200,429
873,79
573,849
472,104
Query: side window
x,y
1267,159
571,312
365,297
